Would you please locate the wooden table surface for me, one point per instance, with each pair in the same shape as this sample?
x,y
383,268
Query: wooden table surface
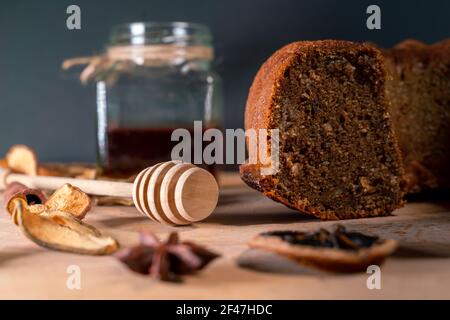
x,y
420,268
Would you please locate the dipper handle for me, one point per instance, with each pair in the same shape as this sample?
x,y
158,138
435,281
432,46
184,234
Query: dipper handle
x,y
93,187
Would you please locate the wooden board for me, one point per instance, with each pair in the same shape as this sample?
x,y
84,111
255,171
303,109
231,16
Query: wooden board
x,y
420,269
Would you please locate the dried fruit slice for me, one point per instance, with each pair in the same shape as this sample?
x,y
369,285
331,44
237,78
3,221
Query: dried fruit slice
x,y
22,159
32,197
338,251
59,231
3,164
73,170
37,208
65,219
70,199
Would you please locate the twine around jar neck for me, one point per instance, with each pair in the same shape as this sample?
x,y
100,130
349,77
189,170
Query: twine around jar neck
x,y
124,57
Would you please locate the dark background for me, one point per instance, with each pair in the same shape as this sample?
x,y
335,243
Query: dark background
x,y
51,111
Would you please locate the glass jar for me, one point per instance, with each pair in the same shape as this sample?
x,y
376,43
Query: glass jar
x,y
158,79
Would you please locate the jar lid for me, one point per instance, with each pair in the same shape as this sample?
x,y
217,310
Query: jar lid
x,y
152,33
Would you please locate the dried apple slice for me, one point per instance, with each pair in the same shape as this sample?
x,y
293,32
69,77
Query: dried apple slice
x,y
67,220
59,231
22,159
338,251
34,198
70,199
3,164
73,170
37,208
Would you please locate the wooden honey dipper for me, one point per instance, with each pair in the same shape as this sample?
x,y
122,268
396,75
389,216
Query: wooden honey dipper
x,y
169,192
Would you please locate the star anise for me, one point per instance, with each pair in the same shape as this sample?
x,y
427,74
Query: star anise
x,y
165,260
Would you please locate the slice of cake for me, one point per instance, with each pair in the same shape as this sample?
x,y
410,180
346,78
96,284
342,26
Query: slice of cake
x,y
419,91
338,156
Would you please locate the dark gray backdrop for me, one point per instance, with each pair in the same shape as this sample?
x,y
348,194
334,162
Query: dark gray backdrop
x,y
50,111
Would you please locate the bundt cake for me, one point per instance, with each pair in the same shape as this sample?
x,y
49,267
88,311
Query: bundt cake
x,y
338,155
419,91
337,105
